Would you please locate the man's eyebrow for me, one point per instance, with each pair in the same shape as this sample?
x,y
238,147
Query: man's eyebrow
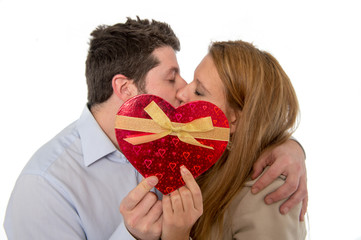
x,y
200,84
174,69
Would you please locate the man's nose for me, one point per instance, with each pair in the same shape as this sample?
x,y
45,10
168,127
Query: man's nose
x,y
181,95
183,83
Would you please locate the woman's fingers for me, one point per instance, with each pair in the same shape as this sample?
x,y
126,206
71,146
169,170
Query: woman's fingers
x,y
177,202
192,186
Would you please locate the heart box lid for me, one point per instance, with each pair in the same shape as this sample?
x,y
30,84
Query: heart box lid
x,y
157,138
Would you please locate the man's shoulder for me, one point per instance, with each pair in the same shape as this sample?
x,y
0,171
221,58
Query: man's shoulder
x,y
56,149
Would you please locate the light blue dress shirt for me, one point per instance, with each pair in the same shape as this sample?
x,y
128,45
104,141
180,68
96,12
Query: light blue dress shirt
x,y
72,188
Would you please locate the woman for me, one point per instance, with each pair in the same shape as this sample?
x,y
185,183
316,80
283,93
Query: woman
x,y
260,103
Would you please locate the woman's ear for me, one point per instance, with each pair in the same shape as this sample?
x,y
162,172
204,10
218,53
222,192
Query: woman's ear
x,y
123,87
233,117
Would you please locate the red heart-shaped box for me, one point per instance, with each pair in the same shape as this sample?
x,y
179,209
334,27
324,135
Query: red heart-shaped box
x,y
164,157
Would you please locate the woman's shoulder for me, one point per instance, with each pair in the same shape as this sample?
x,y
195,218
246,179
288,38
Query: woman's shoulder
x,y
246,190
273,186
252,218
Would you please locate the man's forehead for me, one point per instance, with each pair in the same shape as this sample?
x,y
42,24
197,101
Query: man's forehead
x,y
166,55
166,68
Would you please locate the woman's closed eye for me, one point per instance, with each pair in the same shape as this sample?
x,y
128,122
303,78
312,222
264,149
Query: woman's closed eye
x,y
196,92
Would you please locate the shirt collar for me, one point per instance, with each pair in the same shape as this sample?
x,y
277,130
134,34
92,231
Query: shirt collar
x,y
95,142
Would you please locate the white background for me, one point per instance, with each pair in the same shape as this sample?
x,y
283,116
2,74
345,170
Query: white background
x,y
43,46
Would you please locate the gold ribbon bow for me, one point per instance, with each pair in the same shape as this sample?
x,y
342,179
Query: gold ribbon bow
x,y
161,126
186,132
182,132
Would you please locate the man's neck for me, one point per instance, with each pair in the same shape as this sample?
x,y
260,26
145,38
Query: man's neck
x,y
105,114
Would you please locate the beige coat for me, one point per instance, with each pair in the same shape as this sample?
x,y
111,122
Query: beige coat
x,y
249,218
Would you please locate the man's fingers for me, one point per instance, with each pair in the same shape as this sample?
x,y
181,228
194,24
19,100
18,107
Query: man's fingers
x,y
267,178
155,212
146,204
303,188
290,203
300,195
295,199
304,208
260,164
285,191
138,193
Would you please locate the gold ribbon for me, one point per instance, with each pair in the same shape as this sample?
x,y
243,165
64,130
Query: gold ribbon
x,y
186,132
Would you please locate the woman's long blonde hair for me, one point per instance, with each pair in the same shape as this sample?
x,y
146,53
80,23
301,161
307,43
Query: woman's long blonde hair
x,y
261,94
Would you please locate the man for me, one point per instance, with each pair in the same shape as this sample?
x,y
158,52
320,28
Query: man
x,y
73,186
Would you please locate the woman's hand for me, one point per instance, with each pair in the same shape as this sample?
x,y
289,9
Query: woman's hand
x,y
181,209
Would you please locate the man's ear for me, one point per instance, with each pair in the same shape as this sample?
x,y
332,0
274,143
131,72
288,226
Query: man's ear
x,y
123,87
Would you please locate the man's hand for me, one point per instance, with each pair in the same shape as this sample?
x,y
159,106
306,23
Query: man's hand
x,y
181,209
287,159
142,211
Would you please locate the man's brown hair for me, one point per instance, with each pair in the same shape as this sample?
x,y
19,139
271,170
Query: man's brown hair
x,y
124,48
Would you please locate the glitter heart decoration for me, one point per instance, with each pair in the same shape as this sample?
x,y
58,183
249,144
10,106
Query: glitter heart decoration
x,y
157,138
